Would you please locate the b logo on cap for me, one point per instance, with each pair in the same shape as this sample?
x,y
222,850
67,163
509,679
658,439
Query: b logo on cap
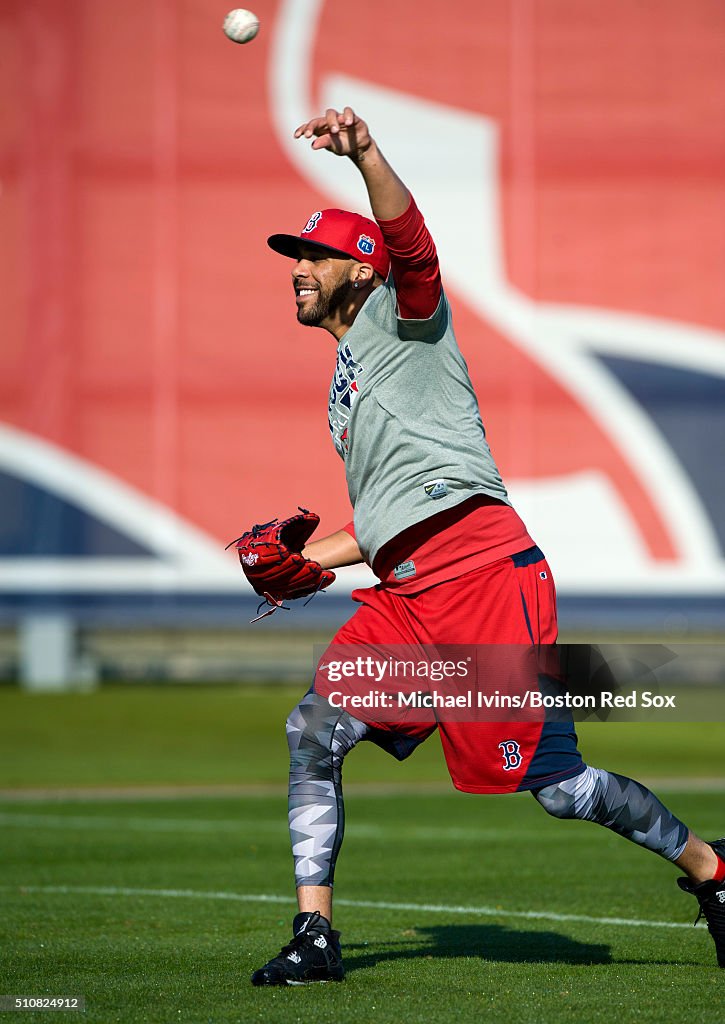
x,y
311,223
366,245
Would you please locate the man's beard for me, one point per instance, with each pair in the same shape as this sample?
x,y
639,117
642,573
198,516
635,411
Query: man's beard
x,y
313,314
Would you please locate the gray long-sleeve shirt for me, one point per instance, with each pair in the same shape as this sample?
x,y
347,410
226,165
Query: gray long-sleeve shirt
x,y
405,420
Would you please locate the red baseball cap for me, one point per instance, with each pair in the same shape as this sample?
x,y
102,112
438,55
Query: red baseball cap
x,y
339,233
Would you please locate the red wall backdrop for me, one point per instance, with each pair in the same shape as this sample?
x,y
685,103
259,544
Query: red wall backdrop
x,y
147,329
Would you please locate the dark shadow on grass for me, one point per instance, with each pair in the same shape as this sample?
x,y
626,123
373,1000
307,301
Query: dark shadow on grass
x,y
491,942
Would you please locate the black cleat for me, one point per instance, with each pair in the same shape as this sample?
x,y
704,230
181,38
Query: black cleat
x,y
711,897
312,955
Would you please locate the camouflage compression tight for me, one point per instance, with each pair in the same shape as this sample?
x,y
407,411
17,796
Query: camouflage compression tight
x,y
623,805
319,737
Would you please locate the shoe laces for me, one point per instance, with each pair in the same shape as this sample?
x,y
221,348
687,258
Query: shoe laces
x,y
716,913
301,937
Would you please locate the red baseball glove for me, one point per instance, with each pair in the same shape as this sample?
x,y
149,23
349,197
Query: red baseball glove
x,y
270,557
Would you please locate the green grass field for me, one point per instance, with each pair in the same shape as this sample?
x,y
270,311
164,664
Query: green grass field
x,y
452,907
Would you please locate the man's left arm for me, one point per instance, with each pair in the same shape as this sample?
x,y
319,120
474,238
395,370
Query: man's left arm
x,y
335,550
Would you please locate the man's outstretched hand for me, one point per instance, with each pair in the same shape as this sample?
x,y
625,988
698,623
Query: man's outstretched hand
x,y
344,134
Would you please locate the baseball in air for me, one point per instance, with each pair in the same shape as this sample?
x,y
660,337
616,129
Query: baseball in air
x,y
241,26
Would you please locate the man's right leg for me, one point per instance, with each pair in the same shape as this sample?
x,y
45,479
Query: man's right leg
x,y
319,736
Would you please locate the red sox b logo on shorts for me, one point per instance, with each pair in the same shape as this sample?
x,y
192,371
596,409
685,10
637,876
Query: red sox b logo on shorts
x,y
511,754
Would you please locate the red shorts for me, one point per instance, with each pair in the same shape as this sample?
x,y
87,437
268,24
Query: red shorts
x,y
510,601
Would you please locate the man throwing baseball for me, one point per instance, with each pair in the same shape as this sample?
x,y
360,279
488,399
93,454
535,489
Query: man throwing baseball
x,y
455,562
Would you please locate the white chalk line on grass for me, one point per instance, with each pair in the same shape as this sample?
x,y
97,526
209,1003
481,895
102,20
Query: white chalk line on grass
x,y
427,908
367,790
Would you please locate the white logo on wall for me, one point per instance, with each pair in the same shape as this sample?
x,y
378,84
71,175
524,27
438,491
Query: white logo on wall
x,y
567,341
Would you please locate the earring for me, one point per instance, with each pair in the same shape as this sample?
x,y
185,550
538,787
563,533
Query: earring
x,y
355,284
